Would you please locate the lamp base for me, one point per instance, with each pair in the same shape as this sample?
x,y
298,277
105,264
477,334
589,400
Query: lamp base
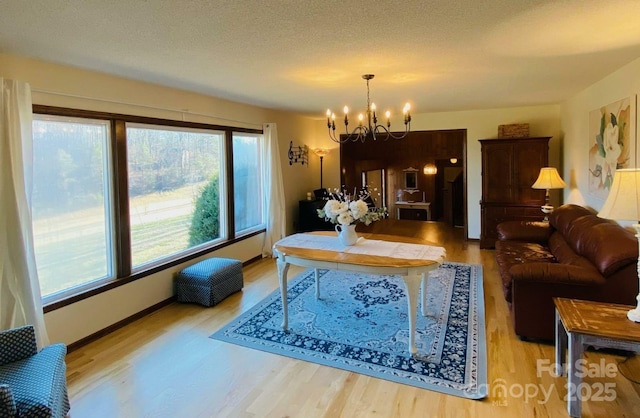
x,y
546,209
634,314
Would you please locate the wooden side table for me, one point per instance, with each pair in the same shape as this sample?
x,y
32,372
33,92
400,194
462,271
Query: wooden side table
x,y
416,206
581,323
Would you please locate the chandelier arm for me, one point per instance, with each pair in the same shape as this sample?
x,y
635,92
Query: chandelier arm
x,y
332,136
407,129
358,133
381,129
386,133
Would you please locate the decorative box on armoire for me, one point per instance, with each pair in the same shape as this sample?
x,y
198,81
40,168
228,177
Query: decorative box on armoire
x,y
509,167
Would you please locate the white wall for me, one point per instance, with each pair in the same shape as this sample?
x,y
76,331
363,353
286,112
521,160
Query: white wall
x,y
625,82
481,124
64,86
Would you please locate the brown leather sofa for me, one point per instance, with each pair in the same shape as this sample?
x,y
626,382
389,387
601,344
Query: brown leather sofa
x,y
574,255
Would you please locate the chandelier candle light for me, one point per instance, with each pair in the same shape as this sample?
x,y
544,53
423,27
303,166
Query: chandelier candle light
x,y
371,130
623,203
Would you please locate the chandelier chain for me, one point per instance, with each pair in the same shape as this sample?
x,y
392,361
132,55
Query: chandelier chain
x,y
369,108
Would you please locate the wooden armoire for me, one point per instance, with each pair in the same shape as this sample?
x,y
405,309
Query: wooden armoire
x,y
509,168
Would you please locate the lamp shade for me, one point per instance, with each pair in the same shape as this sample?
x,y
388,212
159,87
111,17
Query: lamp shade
x,y
623,202
321,152
549,179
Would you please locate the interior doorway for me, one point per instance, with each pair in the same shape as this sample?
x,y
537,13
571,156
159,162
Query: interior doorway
x,y
375,182
442,189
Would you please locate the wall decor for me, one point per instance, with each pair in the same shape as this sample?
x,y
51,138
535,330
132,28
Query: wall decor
x,y
410,178
610,144
298,154
514,130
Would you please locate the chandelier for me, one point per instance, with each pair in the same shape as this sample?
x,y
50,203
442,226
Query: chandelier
x,y
369,129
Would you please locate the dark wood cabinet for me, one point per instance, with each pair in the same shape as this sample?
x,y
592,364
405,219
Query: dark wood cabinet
x,y
308,219
413,214
509,168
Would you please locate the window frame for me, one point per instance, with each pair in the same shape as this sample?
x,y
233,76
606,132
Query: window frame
x,y
109,193
120,205
224,233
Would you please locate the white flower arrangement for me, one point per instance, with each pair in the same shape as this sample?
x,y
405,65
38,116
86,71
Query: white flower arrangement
x,y
344,209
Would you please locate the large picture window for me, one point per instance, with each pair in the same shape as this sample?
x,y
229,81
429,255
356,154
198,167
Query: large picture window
x,y
119,197
175,199
71,203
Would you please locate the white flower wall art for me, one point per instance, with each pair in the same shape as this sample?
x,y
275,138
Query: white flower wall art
x,y
609,145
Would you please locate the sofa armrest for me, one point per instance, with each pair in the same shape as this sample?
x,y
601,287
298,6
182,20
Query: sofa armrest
x,y
555,273
17,344
39,383
7,402
538,232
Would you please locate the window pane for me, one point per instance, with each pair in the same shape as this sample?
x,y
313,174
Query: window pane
x,y
71,210
247,181
175,190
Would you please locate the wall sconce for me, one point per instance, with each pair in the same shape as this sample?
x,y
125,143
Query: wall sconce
x,y
453,160
298,154
430,169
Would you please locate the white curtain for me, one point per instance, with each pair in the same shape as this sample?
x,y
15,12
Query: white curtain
x,y
276,216
20,301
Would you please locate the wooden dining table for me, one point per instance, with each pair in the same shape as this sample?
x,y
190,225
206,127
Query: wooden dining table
x,y
410,258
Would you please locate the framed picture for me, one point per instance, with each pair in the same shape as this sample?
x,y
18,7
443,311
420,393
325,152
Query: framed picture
x,y
611,145
411,178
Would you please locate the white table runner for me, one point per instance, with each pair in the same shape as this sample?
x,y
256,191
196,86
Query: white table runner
x,y
365,246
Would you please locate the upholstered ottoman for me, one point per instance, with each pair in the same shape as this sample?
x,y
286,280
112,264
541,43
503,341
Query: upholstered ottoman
x,y
209,281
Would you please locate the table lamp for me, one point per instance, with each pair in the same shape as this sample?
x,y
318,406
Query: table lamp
x,y
548,179
623,203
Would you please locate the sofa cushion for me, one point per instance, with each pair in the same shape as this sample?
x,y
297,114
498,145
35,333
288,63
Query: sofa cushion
x,y
603,243
511,253
17,344
565,254
529,231
562,218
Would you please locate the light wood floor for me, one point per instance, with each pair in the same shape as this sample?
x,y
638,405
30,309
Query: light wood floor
x,y
165,364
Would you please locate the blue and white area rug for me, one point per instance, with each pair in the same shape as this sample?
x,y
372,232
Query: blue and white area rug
x,y
360,324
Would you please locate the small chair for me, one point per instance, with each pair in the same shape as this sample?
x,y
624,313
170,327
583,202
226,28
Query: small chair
x,y
32,383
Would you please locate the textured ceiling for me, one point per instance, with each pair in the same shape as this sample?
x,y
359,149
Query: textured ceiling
x,y
307,56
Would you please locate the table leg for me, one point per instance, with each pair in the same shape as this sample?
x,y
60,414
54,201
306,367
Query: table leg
x,y
576,350
561,347
423,292
412,284
317,276
283,267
